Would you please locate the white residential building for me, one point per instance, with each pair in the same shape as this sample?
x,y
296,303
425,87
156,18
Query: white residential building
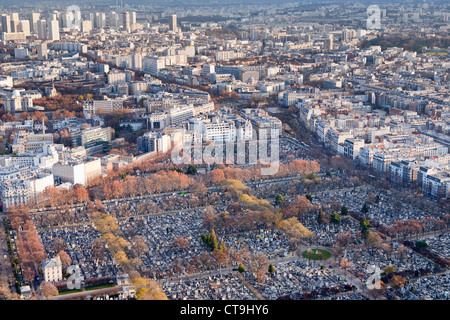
x,y
352,147
153,65
381,161
53,30
52,270
77,170
154,142
109,106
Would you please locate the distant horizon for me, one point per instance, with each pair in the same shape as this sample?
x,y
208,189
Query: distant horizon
x,y
245,2
176,5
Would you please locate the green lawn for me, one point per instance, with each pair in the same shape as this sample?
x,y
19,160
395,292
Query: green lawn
x,y
312,254
103,286
436,53
70,291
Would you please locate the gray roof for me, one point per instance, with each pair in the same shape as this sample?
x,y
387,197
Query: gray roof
x,y
50,263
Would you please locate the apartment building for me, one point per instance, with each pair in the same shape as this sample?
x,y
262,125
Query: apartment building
x,y
154,142
214,130
403,171
434,182
20,185
115,77
264,125
352,147
335,140
177,114
26,141
77,170
173,22
153,65
53,30
90,137
93,107
17,103
381,161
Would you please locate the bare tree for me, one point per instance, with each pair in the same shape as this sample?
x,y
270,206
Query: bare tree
x,y
48,290
139,245
98,249
180,243
258,265
59,244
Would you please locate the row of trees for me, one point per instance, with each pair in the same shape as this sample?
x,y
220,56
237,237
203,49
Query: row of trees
x,y
31,253
414,227
108,228
36,116
59,197
210,240
54,103
294,230
163,181
29,249
123,182
170,180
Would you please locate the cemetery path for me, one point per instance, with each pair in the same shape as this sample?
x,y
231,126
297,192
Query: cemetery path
x,y
419,236
289,257
5,264
252,289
